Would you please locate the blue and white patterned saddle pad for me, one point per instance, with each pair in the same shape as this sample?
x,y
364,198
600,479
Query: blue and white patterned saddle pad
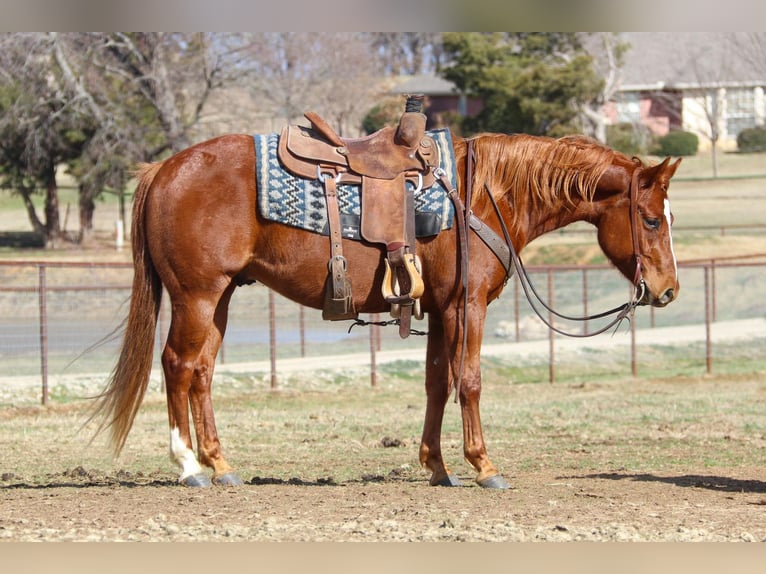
x,y
300,202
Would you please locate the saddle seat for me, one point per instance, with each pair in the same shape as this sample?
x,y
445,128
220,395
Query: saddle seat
x,y
385,154
390,165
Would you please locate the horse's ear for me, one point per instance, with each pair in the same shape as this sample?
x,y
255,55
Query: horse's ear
x,y
650,174
671,169
663,169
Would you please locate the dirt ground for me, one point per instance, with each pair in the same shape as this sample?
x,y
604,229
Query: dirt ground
x,y
714,505
639,460
551,498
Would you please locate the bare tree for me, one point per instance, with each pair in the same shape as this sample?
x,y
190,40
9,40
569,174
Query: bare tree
x,y
751,47
142,81
128,98
283,70
408,53
712,61
348,81
334,74
173,74
41,125
700,67
608,51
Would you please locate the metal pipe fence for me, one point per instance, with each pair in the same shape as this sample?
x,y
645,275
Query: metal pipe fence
x,y
60,318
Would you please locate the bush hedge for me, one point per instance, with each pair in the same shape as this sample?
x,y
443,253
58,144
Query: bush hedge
x,y
629,139
752,140
678,143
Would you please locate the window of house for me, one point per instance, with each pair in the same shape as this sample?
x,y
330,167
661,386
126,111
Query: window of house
x,y
740,110
629,108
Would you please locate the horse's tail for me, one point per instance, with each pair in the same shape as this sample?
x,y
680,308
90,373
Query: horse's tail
x,y
119,403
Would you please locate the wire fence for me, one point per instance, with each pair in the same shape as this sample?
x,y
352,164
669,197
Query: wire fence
x,y
65,318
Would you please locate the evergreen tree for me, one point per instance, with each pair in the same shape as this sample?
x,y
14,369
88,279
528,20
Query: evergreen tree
x,y
531,83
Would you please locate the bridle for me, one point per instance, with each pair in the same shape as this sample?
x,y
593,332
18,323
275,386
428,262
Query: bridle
x,y
638,279
621,312
505,252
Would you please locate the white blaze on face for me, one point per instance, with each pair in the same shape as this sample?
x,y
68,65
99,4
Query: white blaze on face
x,y
183,456
670,235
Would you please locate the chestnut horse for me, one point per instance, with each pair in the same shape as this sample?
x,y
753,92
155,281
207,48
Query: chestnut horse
x,y
196,232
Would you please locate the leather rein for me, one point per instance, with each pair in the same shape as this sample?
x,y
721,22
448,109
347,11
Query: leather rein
x,y
505,252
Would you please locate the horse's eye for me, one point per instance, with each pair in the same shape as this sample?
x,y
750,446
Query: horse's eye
x,y
652,222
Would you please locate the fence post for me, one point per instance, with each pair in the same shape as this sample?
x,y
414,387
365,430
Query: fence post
x,y
713,304
302,328
551,350
708,344
43,309
633,362
516,309
375,317
273,339
585,299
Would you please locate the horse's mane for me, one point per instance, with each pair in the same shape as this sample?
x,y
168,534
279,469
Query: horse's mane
x,y
539,172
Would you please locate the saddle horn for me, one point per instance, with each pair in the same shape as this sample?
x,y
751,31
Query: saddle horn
x,y
412,124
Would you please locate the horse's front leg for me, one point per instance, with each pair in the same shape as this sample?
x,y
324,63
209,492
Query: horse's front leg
x,y
474,447
437,392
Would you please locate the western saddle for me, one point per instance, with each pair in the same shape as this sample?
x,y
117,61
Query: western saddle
x,y
391,165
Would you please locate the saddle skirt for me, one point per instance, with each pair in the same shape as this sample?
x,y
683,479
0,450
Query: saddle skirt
x,y
300,202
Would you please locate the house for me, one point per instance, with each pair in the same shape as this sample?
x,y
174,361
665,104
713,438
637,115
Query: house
x,y
442,98
701,82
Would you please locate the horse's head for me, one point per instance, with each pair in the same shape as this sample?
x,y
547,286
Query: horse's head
x,y
634,227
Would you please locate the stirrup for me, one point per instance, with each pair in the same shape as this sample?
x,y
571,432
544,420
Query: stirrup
x,y
391,283
390,286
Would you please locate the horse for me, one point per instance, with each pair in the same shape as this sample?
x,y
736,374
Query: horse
x,y
197,234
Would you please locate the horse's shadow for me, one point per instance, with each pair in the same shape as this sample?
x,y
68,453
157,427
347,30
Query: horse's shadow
x,y
714,483
81,478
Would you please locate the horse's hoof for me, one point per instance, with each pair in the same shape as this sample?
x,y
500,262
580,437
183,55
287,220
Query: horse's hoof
x,y
449,480
196,481
496,481
227,479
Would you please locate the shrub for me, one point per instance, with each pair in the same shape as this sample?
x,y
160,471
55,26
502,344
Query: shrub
x,y
752,139
678,144
629,139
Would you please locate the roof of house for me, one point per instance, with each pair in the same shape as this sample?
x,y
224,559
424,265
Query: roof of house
x,y
682,60
658,60
424,84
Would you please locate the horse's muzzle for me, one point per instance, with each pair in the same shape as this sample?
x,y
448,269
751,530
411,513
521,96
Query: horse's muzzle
x,y
646,297
666,297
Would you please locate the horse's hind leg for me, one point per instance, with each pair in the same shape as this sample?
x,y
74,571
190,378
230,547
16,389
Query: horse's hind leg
x,y
196,330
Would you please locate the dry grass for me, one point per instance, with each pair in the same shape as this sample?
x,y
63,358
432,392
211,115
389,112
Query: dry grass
x,y
337,430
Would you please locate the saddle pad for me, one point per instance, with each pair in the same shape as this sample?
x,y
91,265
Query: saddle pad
x,y
299,202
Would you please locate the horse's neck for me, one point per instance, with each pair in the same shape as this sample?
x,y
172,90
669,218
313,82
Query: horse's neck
x,y
560,215
565,212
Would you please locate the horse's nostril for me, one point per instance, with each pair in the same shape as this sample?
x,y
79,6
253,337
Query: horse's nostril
x,y
669,295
